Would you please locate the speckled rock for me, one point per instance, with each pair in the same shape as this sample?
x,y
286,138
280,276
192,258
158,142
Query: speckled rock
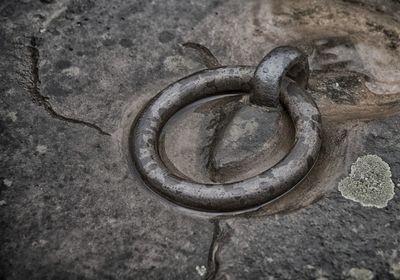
x,y
75,73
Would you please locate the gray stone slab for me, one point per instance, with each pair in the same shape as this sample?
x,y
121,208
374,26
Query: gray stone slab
x,y
73,76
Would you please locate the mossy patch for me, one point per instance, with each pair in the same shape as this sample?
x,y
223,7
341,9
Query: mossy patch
x,y
369,182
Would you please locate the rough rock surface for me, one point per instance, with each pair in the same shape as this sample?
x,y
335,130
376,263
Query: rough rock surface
x,y
75,73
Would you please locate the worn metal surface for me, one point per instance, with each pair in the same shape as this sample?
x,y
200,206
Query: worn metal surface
x,y
278,63
249,192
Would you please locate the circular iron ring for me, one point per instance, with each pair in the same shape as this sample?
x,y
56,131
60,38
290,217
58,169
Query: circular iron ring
x,y
236,196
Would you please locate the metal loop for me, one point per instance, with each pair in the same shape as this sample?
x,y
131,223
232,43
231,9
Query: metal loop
x,y
230,197
280,62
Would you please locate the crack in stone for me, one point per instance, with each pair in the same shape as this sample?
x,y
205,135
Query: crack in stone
x,y
221,235
38,98
209,60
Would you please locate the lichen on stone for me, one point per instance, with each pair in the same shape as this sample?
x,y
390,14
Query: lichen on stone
x,y
201,270
369,182
360,274
395,270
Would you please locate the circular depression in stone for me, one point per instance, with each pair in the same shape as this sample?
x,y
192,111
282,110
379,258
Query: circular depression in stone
x,y
236,196
225,139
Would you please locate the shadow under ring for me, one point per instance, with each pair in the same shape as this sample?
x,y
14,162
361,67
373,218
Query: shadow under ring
x,y
242,195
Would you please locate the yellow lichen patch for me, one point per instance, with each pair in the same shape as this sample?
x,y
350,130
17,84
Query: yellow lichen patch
x,y
369,182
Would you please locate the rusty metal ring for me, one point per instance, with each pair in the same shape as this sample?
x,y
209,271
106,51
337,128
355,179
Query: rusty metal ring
x,y
236,196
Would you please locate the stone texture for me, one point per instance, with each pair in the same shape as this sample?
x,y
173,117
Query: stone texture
x,y
73,76
255,139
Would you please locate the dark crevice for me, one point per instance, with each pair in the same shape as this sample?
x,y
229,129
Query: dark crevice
x,y
38,98
209,60
220,236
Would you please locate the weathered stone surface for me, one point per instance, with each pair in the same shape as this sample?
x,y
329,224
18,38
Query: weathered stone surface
x,y
254,140
74,74
74,210
189,137
226,139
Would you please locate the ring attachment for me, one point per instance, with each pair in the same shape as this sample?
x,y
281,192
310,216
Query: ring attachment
x,y
253,191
